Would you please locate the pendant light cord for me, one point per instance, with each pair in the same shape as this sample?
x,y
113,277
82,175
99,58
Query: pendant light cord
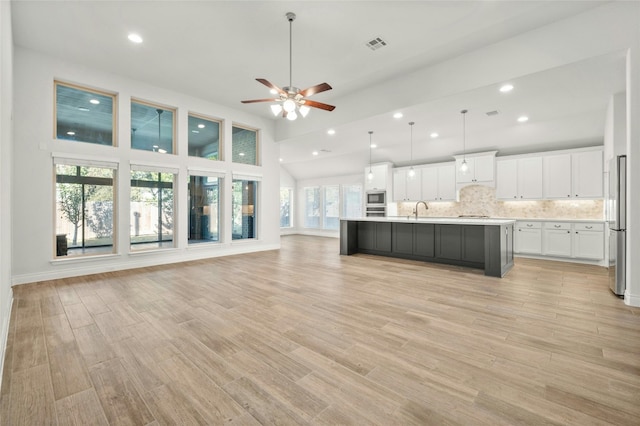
x,y
464,135
411,123
370,133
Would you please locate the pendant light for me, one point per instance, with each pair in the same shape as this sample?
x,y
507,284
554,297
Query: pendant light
x,y
411,173
370,175
464,167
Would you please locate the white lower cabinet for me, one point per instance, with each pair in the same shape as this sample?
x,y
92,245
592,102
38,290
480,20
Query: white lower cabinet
x,y
557,239
588,241
570,240
528,238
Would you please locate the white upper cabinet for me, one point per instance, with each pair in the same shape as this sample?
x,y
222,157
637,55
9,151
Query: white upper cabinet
x,y
519,178
573,175
439,182
381,177
405,187
481,169
587,171
557,176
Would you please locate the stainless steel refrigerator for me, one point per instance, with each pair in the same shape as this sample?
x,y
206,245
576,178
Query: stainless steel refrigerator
x,y
616,217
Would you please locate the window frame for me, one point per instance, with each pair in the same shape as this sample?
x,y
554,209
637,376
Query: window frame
x,y
220,121
174,205
257,181
102,92
291,207
258,143
174,110
221,214
71,161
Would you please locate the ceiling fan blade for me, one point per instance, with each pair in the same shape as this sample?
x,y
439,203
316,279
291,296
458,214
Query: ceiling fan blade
x,y
320,105
270,85
251,101
315,89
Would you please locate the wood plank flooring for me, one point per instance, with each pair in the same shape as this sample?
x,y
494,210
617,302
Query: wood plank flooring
x,y
303,335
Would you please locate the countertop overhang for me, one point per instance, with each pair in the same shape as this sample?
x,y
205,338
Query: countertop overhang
x,y
435,220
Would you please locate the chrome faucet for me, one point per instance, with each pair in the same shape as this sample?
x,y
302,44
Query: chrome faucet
x,y
417,204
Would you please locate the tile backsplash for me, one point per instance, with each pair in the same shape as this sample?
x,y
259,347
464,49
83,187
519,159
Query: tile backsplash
x,y
481,200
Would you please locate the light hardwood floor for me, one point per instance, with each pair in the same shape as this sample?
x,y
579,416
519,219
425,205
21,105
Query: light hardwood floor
x,y
303,335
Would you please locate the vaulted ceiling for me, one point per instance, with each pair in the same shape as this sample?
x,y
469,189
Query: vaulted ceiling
x,y
215,49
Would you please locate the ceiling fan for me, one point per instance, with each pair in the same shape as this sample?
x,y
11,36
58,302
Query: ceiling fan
x,y
291,100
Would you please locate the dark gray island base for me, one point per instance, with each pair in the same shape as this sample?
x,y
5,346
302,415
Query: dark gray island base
x,y
481,243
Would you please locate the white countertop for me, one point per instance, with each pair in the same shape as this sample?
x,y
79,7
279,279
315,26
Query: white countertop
x,y
442,220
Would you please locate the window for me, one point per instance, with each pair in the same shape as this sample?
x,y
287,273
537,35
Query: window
x,y
204,137
312,207
286,195
352,201
331,218
84,208
244,208
152,128
204,209
84,115
244,145
151,209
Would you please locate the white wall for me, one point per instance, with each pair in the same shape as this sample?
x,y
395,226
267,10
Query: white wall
x,y
632,293
335,180
33,179
6,134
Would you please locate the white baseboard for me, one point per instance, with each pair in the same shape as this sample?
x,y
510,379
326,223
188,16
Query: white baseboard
x,y
139,260
562,259
631,299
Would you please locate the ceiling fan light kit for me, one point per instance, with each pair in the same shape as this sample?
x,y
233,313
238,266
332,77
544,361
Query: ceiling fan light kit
x,y
292,101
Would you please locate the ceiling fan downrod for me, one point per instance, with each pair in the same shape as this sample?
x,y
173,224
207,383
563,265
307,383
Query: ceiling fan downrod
x,y
290,17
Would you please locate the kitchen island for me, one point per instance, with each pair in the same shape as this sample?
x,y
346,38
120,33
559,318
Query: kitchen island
x,y
483,243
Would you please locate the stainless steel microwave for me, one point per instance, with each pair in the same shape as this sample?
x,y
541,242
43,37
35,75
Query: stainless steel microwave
x,y
376,198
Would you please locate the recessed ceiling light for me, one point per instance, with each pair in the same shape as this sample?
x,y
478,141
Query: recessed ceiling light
x,y
134,38
273,91
331,132
281,160
195,131
241,154
506,88
373,145
83,109
200,126
315,152
434,135
397,115
71,133
523,119
94,101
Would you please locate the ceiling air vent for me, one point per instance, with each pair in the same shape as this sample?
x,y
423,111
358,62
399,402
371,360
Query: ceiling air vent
x,y
376,43
492,113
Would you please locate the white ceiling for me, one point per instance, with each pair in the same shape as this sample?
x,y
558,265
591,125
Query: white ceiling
x,y
215,49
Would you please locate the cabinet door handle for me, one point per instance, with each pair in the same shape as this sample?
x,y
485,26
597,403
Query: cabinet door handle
x,y
557,226
568,232
515,196
568,195
529,225
588,227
